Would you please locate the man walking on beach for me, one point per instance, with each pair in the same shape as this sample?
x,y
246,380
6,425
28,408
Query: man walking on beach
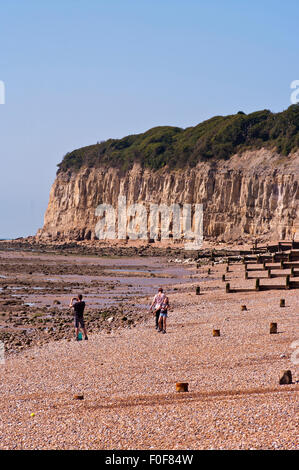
x,y
79,307
163,315
156,303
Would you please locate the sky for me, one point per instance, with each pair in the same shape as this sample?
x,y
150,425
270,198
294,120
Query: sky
x,y
81,71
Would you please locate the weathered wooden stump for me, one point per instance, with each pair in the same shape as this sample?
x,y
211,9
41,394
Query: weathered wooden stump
x,y
243,308
197,290
273,328
181,387
282,303
227,269
209,271
246,275
288,281
227,288
79,396
285,377
216,332
269,273
292,271
223,277
257,284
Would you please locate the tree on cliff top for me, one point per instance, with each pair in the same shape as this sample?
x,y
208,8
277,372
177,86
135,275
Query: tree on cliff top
x,y
217,138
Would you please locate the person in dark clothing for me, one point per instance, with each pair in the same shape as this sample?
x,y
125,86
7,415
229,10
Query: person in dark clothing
x,y
78,307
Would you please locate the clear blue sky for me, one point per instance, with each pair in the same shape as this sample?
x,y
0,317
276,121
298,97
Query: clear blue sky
x,y
80,71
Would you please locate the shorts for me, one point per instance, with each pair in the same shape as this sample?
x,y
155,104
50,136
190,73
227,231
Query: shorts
x,y
163,314
79,320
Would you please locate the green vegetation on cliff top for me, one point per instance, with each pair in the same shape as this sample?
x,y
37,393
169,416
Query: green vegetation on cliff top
x,y
216,138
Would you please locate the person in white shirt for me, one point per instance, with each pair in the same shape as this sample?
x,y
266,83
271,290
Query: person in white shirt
x,y
156,305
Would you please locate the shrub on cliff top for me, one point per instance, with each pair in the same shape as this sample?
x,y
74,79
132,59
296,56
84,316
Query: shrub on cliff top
x,y
217,138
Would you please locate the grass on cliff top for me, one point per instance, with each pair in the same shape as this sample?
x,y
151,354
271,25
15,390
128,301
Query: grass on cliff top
x,y
216,138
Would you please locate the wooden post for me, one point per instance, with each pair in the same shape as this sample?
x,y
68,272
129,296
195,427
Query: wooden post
x,y
282,303
209,271
227,269
257,284
223,277
282,264
285,377
273,328
78,396
292,271
246,274
288,281
227,288
243,308
269,273
197,290
216,332
181,387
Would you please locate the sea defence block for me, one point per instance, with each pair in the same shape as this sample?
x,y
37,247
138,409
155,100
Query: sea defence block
x,y
181,386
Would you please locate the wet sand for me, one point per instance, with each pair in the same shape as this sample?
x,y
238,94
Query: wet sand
x,y
35,291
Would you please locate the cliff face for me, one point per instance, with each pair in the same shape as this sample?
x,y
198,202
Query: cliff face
x,y
255,194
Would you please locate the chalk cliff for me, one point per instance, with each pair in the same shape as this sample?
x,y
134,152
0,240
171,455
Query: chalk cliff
x,y
255,193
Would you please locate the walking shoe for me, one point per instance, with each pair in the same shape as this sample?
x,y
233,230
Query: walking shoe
x,y
86,338
163,332
159,330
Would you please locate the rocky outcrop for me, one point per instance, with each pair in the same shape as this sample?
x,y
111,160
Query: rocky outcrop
x,y
253,194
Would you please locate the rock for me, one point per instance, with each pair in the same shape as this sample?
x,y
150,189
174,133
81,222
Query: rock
x,y
110,319
285,377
